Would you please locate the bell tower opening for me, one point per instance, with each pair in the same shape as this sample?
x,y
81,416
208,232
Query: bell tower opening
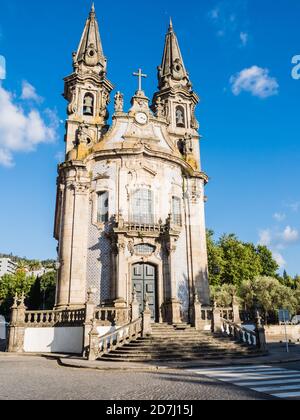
x,y
88,105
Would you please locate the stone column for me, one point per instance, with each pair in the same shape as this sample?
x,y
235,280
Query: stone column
x,y
17,326
135,307
74,235
146,317
236,310
197,318
217,324
173,304
93,342
89,319
260,334
196,239
121,273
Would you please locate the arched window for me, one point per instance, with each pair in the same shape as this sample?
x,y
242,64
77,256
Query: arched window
x,y
176,211
103,207
88,104
180,117
142,207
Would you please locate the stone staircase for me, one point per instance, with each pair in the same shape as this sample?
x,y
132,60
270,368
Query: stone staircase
x,y
182,343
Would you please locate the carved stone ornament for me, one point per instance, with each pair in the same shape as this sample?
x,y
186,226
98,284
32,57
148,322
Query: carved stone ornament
x,y
83,136
72,107
160,109
119,102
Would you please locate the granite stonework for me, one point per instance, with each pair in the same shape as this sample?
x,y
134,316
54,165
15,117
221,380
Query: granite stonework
x,y
147,164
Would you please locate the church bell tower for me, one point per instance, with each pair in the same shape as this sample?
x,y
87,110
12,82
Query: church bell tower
x,y
87,90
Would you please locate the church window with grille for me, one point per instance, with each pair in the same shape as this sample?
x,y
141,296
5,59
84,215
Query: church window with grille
x,y
88,104
180,117
142,206
103,207
176,211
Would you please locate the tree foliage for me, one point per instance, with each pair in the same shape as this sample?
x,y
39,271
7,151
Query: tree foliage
x,y
39,292
232,261
268,294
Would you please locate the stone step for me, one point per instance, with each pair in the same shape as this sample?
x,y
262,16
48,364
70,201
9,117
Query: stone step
x,y
182,345
169,353
180,358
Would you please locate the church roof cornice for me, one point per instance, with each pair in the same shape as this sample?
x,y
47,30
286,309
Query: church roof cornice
x,y
149,152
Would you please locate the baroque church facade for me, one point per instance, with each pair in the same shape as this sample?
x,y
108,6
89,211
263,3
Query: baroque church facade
x,y
130,217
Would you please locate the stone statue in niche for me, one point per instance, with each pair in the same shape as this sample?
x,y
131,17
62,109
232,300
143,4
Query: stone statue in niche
x,y
119,102
188,139
160,111
83,136
180,119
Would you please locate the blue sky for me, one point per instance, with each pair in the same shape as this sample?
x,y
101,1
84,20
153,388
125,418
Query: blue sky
x,y
239,55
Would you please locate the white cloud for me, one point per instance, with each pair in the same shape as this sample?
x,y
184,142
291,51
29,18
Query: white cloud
x,y
255,80
265,237
279,217
29,93
290,235
22,131
244,36
230,19
279,259
295,207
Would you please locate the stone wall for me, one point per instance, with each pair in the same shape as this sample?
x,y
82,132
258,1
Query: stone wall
x,y
67,340
276,333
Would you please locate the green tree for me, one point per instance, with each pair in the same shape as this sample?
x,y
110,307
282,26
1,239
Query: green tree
x,y
215,260
12,284
223,295
18,283
269,266
48,289
268,294
242,262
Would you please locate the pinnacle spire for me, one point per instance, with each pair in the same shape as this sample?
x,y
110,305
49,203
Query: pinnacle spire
x,y
90,51
172,69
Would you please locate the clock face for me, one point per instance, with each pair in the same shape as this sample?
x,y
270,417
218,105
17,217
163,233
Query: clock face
x,y
141,118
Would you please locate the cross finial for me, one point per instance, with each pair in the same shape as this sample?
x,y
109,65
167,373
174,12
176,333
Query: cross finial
x,y
140,75
92,12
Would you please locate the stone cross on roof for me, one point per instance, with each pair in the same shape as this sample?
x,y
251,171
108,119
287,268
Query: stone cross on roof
x,y
140,75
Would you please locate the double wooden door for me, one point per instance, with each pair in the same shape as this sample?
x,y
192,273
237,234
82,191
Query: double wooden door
x,y
144,282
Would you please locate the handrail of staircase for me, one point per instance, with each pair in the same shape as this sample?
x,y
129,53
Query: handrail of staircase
x,y
239,333
123,335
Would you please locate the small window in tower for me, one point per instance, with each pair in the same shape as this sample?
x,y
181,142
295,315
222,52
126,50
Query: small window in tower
x,y
180,117
88,104
176,211
103,207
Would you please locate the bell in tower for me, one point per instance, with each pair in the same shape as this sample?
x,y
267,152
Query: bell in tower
x,y
88,105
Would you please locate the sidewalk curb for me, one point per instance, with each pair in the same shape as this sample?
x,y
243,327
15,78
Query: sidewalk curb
x,y
128,368
65,361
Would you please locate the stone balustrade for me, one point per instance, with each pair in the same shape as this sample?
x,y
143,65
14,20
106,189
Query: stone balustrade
x,y
45,319
226,313
143,227
112,341
239,333
206,314
111,316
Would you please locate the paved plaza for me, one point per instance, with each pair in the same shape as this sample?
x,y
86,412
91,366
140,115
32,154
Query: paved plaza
x,y
34,378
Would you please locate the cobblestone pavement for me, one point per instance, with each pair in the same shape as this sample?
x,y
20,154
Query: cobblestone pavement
x,y
28,378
